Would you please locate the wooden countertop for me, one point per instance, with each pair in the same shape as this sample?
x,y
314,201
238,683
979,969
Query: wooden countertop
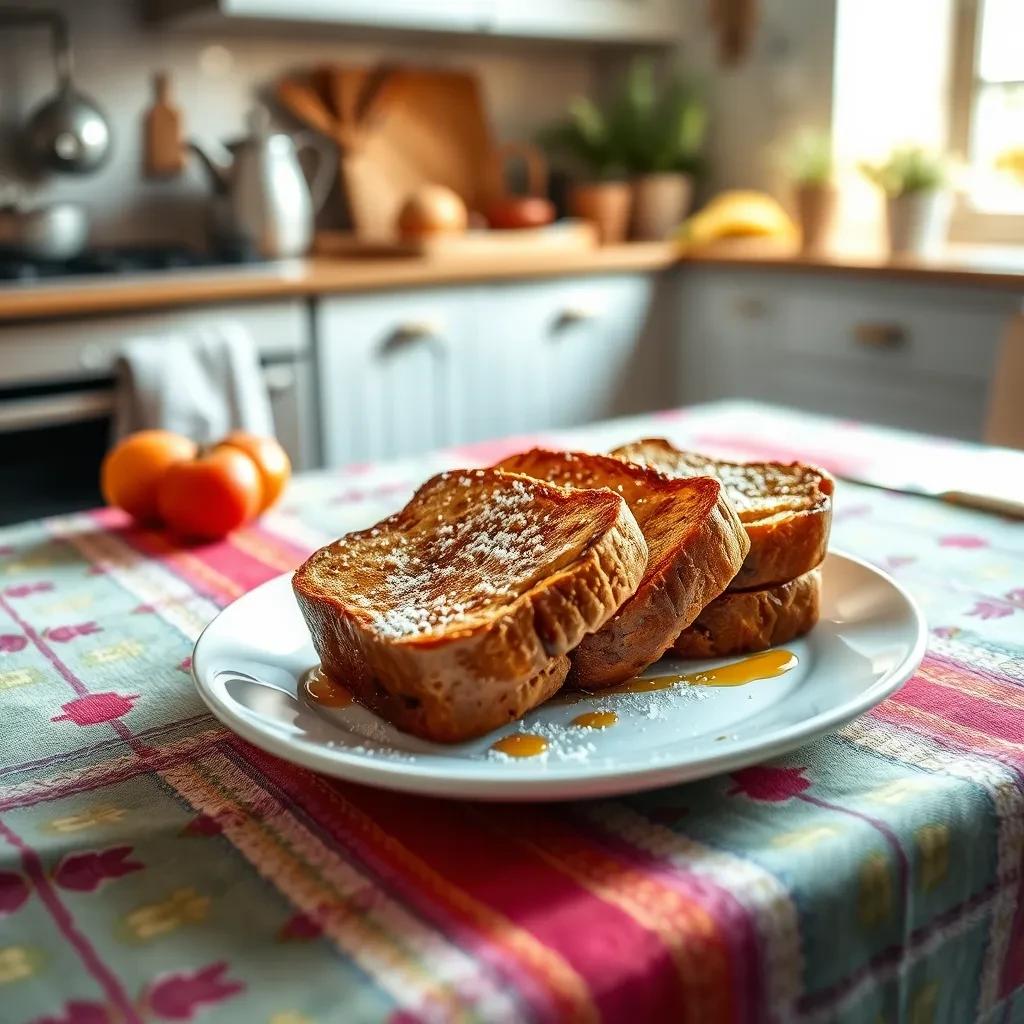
x,y
314,276
967,265
971,266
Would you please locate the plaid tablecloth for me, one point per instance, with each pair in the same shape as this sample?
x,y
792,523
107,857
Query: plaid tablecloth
x,y
154,867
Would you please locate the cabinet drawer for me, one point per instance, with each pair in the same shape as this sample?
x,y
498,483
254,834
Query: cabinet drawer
x,y
889,329
932,405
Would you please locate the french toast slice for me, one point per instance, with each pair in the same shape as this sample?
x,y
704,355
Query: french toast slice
x,y
786,508
744,621
453,616
695,543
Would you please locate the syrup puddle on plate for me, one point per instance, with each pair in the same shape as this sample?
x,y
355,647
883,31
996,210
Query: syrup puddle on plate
x,y
595,719
521,744
321,689
766,665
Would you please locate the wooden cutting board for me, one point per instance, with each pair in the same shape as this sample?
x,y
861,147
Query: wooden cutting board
x,y
429,127
568,236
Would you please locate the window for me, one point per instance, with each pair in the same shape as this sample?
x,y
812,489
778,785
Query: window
x,y
987,118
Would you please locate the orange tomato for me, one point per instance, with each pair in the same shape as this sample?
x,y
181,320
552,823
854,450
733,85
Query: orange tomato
x,y
212,495
271,460
132,470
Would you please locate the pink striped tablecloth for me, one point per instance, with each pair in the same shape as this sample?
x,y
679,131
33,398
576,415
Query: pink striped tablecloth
x,y
153,867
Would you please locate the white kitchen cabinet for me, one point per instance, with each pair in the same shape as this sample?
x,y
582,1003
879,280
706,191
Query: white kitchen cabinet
x,y
619,20
571,347
404,372
388,367
449,16
910,355
613,21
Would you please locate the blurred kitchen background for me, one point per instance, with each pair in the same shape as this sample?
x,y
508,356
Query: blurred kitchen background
x,y
442,222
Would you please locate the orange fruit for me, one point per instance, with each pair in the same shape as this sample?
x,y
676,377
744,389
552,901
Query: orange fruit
x,y
212,495
271,460
131,471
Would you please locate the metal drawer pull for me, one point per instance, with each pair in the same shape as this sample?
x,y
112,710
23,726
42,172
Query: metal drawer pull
x,y
880,335
572,315
415,330
427,332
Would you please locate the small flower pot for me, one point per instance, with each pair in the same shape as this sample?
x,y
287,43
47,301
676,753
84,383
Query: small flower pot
x,y
606,204
816,210
660,202
917,222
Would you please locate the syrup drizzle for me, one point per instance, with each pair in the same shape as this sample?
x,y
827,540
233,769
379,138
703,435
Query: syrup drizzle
x,y
766,665
521,744
321,689
596,719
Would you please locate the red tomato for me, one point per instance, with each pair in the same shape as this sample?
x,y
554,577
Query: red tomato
x,y
212,495
514,212
271,460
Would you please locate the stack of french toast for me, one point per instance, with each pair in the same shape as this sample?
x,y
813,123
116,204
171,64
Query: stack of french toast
x,y
494,588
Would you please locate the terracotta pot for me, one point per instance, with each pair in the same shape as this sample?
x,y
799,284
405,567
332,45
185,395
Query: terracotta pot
x,y
917,222
816,210
606,205
660,202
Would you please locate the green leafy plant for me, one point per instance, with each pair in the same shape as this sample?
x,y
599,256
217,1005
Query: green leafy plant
x,y
647,127
588,140
808,159
909,169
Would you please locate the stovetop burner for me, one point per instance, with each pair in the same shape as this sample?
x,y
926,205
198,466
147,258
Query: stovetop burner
x,y
110,260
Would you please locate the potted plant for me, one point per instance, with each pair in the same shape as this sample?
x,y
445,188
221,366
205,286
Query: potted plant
x,y
811,168
594,146
917,201
663,126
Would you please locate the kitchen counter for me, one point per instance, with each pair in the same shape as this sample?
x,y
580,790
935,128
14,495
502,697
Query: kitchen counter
x,y
970,265
973,266
314,276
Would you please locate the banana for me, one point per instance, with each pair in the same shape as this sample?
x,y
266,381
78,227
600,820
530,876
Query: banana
x,y
736,214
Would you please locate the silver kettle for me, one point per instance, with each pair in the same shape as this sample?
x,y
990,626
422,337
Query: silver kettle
x,y
262,199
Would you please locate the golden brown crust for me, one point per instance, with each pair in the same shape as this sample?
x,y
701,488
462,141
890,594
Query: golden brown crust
x,y
695,542
786,508
744,621
453,616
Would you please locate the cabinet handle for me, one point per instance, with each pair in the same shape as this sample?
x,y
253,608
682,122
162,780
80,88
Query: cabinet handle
x,y
576,315
880,335
416,330
427,332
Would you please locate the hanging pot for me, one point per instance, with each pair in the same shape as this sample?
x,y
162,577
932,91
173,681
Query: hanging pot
x,y
68,132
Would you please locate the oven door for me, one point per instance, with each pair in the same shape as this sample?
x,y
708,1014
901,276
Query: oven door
x,y
52,441
53,438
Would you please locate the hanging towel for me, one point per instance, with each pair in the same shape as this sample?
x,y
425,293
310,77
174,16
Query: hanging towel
x,y
203,383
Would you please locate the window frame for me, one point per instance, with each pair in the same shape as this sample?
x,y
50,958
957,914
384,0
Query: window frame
x,y
968,223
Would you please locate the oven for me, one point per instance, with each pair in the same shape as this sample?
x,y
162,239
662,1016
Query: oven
x,y
57,396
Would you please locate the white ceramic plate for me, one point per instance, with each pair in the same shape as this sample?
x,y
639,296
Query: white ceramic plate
x,y
250,663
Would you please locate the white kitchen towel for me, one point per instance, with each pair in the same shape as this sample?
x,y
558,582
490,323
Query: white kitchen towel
x,y
203,384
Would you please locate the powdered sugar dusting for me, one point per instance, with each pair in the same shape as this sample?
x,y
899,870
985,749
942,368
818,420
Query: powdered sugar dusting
x,y
469,541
